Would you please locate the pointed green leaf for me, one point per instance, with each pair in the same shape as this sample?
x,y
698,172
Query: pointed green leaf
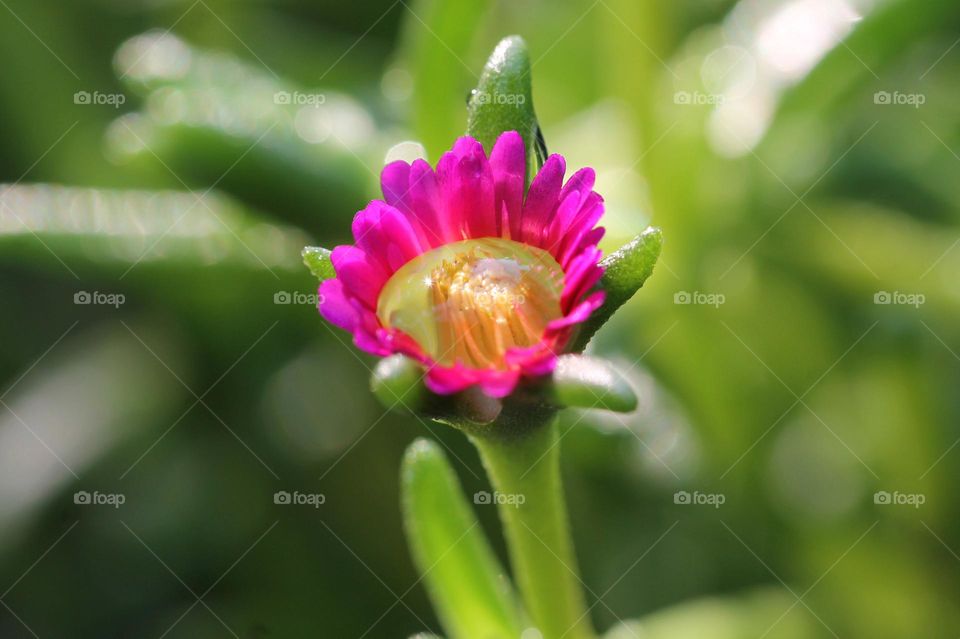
x,y
588,382
503,99
625,272
318,261
468,588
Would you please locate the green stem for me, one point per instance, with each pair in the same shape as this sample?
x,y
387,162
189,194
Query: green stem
x,y
526,468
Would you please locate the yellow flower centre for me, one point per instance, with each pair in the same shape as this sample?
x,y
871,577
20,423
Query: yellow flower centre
x,y
468,302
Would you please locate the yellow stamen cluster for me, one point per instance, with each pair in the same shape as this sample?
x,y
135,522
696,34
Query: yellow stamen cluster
x,y
471,301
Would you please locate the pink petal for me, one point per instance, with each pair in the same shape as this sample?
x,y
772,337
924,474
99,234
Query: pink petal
x,y
361,276
425,205
466,188
386,235
446,381
465,146
400,342
555,237
404,243
583,243
582,274
535,360
334,306
581,181
366,334
541,202
508,163
582,225
476,181
395,185
499,383
580,313
367,235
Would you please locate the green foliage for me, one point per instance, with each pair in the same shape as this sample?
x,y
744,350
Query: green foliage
x,y
625,271
768,612
397,381
218,121
524,469
879,183
317,259
503,100
468,588
588,382
577,382
439,38
121,228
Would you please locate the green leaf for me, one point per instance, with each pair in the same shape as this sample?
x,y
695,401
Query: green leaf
x,y
318,261
503,99
469,590
84,226
397,382
577,382
883,37
280,146
625,272
589,382
752,614
439,35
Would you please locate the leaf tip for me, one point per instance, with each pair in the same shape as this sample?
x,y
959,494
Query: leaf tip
x,y
317,259
587,382
421,450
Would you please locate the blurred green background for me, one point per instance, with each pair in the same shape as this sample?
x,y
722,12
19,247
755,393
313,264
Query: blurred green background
x,y
164,161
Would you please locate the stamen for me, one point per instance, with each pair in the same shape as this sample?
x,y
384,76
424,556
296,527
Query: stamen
x,y
469,302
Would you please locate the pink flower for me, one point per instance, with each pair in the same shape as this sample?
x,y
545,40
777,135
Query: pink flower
x,y
458,270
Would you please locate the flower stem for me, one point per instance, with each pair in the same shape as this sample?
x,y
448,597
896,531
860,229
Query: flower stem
x,y
525,471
